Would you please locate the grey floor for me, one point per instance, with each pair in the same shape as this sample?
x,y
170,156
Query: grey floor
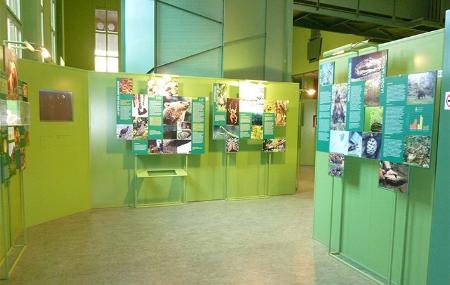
x,y
265,241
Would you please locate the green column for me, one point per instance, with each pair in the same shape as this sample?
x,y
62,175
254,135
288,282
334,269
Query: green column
x,y
439,257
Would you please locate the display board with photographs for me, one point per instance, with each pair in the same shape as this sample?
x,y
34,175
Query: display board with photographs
x,y
249,117
160,122
409,108
14,118
388,119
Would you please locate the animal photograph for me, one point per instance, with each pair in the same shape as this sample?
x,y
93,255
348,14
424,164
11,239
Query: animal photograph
x,y
355,144
155,146
281,108
176,109
220,93
164,86
393,176
170,132
421,88
339,107
339,142
12,79
373,119
417,151
231,144
232,111
140,128
124,132
371,145
176,146
370,68
139,105
326,73
184,131
274,145
336,164
256,133
125,86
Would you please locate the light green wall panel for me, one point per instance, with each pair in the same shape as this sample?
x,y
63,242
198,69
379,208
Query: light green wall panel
x,y
176,41
205,64
367,211
244,19
308,132
209,8
57,178
245,59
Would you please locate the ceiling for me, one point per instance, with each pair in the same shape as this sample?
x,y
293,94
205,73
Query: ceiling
x,y
375,26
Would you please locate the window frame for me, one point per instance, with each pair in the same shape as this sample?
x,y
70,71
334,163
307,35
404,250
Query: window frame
x,y
107,54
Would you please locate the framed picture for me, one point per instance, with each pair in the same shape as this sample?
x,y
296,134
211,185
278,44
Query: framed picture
x,y
55,106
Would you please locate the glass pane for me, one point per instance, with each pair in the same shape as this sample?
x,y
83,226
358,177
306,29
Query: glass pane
x,y
54,47
100,20
14,6
14,34
113,45
53,16
100,44
113,21
100,63
113,64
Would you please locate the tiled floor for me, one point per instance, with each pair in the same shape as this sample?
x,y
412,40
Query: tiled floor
x,y
264,241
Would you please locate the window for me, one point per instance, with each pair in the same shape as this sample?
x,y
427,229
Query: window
x,y
53,28
14,25
106,41
42,26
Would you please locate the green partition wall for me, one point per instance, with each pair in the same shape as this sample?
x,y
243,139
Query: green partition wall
x,y
56,180
362,214
79,165
243,174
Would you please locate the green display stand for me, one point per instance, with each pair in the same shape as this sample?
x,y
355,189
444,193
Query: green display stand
x,y
154,173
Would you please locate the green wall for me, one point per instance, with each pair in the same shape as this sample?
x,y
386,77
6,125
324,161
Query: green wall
x,y
330,40
111,163
258,35
57,178
307,132
362,213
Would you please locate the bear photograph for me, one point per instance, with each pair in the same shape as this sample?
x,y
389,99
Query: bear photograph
x,y
176,109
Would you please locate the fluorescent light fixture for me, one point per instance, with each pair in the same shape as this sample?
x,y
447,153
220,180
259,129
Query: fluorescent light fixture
x,y
349,48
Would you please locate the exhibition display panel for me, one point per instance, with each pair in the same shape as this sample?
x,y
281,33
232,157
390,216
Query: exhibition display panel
x,y
14,134
376,131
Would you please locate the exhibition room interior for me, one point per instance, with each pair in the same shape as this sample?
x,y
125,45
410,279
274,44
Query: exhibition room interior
x,y
224,142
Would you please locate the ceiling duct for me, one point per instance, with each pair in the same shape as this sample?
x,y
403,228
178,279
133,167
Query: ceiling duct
x,y
364,18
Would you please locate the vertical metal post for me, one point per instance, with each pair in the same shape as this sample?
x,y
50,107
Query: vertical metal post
x,y
135,177
22,204
227,158
5,270
185,178
222,65
391,256
269,162
330,251
405,239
